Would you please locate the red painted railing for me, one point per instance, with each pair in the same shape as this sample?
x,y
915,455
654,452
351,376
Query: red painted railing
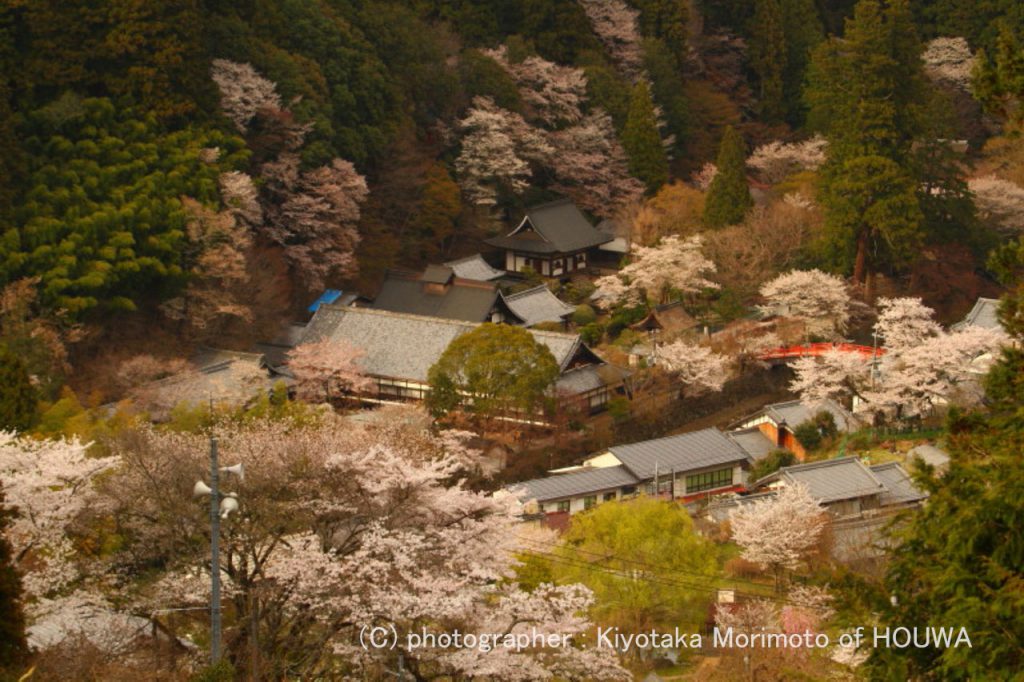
x,y
815,349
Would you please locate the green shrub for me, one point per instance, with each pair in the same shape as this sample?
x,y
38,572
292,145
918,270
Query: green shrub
x,y
772,462
583,315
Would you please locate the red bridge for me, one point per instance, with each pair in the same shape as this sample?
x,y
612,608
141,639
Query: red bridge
x,y
815,349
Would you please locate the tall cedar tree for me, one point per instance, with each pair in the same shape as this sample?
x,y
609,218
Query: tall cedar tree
x,y
643,143
13,647
17,395
728,196
866,91
999,81
768,58
803,31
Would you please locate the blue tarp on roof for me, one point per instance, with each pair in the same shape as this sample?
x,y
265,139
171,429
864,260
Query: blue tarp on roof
x,y
329,296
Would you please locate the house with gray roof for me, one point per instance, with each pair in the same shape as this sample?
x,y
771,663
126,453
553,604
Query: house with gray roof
x,y
846,486
779,421
985,313
476,268
438,292
399,350
688,467
932,455
552,239
538,304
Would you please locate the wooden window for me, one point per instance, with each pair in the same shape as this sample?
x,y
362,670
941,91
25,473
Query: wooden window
x,y
709,480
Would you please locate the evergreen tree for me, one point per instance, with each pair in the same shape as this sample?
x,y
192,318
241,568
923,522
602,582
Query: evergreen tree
x,y
17,395
729,195
802,29
13,647
768,57
642,142
866,92
666,79
999,81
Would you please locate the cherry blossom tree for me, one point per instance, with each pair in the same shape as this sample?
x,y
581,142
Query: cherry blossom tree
x,y
702,178
818,297
497,148
949,60
591,167
999,202
656,271
779,533
698,368
241,197
243,91
327,368
777,160
615,24
905,322
50,482
553,93
834,375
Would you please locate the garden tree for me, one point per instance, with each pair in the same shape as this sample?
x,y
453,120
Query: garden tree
x,y
615,24
949,60
552,94
811,294
327,369
728,198
675,210
439,209
957,559
833,375
767,533
699,369
904,323
17,395
50,482
35,337
631,554
1000,203
496,368
656,272
770,463
642,142
219,291
590,166
497,148
866,91
801,26
998,80
777,160
13,647
768,57
343,527
106,226
243,91
814,431
313,214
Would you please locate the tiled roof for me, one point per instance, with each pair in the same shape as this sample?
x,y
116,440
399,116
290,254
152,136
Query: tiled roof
x,y
831,480
225,377
684,452
589,377
404,292
574,483
932,455
794,413
537,305
402,346
564,229
899,486
437,274
983,314
753,441
474,267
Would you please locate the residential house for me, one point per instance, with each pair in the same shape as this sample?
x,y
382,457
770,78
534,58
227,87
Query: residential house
x,y
536,305
438,292
552,239
846,486
687,467
985,313
399,350
779,421
476,268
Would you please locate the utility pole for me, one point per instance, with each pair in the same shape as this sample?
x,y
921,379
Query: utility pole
x,y
214,554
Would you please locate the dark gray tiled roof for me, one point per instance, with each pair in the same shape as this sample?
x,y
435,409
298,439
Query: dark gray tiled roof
x,y
564,229
899,486
753,442
474,267
583,481
794,413
402,346
831,480
537,305
437,274
685,452
589,377
462,300
932,455
983,314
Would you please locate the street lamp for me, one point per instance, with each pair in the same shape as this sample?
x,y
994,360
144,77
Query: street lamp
x,y
220,508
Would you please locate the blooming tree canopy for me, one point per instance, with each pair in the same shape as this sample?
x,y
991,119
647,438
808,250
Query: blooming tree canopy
x,y
810,294
698,368
674,264
775,161
553,93
327,368
243,91
949,60
615,24
905,322
999,201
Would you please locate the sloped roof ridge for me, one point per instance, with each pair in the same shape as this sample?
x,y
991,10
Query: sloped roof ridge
x,y
666,438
